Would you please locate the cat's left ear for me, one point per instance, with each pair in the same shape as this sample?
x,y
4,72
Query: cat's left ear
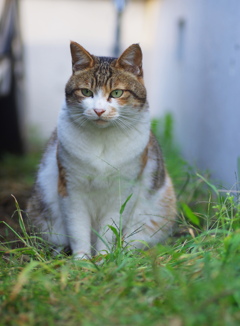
x,y
81,58
131,60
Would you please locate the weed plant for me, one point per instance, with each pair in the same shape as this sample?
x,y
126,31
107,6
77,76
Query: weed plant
x,y
193,279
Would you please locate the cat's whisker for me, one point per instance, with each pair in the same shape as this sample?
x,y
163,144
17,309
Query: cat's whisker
x,y
124,125
80,120
121,127
132,113
131,117
130,122
75,117
77,114
127,124
83,122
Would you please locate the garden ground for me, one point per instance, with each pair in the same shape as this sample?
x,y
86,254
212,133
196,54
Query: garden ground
x,y
193,279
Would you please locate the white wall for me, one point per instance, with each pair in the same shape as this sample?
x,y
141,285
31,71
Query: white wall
x,y
198,68
221,89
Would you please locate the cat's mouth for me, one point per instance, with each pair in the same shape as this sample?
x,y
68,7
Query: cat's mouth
x,y
101,122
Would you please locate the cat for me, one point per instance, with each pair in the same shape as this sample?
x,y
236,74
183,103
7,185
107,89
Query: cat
x,y
101,153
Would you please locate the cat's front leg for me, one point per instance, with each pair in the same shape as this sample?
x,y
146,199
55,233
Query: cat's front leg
x,y
78,226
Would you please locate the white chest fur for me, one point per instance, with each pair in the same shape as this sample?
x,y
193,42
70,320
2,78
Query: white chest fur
x,y
106,151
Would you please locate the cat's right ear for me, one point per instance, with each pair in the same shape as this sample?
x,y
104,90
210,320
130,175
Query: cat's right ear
x,y
131,60
81,58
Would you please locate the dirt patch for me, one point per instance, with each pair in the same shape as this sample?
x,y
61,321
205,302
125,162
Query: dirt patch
x,y
8,211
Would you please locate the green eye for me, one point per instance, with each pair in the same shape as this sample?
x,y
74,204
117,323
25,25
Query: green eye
x,y
86,92
116,93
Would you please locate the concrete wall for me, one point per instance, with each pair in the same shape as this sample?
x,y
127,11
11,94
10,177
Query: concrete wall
x,y
197,64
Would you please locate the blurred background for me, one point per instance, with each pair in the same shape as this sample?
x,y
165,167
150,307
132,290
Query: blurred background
x,y
191,62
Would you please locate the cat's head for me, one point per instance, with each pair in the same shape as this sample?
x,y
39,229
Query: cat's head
x,y
106,91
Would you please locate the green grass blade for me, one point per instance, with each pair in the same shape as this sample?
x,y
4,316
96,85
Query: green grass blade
x,y
213,187
124,204
190,215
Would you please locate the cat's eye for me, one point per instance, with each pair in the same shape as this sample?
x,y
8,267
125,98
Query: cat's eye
x,y
116,93
86,92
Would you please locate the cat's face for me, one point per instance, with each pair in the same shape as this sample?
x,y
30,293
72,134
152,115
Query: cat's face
x,y
105,91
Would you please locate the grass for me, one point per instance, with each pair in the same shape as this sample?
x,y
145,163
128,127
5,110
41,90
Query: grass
x,y
191,280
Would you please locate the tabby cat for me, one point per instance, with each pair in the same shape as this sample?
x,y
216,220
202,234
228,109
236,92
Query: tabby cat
x,y
101,153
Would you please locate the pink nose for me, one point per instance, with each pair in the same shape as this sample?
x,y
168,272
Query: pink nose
x,y
99,112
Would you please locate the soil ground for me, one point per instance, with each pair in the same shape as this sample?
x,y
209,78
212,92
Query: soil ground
x,y
8,213
17,175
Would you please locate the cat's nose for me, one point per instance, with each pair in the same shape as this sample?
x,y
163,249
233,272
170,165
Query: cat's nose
x,y
99,112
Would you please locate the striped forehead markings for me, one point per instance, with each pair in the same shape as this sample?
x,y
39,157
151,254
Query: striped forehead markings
x,y
102,73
